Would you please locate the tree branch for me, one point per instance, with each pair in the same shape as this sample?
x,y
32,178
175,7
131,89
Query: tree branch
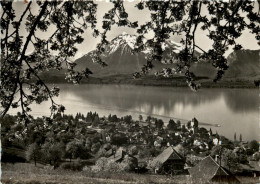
x,y
44,6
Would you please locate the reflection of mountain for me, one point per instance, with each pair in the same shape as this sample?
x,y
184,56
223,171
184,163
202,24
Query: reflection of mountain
x,y
146,99
163,101
242,101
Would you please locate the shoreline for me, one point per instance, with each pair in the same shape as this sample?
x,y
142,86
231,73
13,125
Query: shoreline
x,y
152,80
207,84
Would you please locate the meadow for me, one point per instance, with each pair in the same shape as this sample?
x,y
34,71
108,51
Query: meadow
x,y
27,173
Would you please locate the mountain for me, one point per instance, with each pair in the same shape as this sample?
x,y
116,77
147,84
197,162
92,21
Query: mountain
x,y
244,64
119,56
121,60
203,69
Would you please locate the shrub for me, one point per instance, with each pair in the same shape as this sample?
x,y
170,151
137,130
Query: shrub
x,y
74,166
129,163
52,153
100,164
114,167
154,165
254,146
87,169
103,164
33,153
133,150
11,157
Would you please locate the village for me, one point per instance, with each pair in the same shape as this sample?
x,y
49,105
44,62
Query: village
x,y
122,144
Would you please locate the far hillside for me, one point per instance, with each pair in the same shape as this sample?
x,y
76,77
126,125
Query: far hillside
x,y
123,62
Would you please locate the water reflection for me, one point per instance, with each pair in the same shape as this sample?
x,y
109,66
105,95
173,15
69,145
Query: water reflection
x,y
236,110
154,99
242,101
146,99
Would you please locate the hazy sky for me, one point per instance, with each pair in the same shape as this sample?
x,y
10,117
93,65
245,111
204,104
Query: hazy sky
x,y
247,40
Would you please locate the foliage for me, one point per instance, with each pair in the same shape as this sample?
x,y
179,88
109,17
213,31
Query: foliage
x,y
33,153
113,118
149,152
230,159
159,123
240,138
95,147
129,163
133,150
76,149
172,125
20,69
154,166
100,164
254,145
104,164
114,167
183,128
140,117
256,156
196,123
221,21
53,153
127,119
189,124
96,121
91,116
119,139
74,166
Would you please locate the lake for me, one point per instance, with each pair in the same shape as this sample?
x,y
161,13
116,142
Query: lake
x,y
235,110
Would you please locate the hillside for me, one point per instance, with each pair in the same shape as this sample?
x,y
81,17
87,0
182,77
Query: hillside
x,y
121,60
122,63
244,64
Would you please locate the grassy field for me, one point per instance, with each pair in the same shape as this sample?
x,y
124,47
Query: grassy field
x,y
28,173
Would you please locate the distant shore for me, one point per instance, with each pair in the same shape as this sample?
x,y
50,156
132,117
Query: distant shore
x,y
150,80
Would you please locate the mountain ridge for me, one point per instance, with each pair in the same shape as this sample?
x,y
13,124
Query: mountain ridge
x,y
120,59
244,64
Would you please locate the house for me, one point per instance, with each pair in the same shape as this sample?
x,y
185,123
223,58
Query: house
x,y
108,139
216,141
208,170
168,162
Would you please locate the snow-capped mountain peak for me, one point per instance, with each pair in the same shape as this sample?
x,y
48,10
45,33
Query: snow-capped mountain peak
x,y
122,41
177,47
128,41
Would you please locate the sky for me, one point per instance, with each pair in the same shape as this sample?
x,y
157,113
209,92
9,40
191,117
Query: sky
x,y
247,40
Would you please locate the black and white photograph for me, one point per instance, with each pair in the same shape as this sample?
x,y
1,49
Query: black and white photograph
x,y
130,91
